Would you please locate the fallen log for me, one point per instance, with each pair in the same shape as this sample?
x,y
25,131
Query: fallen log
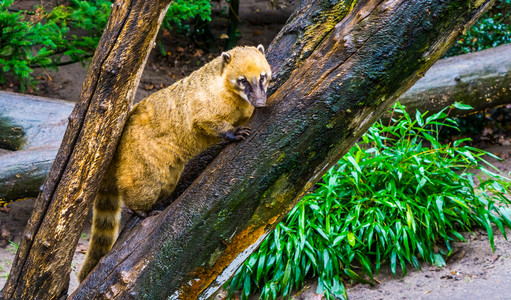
x,y
36,125
32,128
28,121
23,172
481,79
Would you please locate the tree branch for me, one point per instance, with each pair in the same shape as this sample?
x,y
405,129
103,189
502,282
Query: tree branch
x,y
37,125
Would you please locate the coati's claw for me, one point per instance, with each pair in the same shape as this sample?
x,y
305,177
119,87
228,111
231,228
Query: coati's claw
x,y
237,134
243,132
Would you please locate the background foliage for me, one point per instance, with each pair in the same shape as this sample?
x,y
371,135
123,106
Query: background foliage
x,y
491,30
182,10
399,196
66,34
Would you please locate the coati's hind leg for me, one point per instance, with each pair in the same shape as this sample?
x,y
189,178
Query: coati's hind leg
x,y
146,196
105,227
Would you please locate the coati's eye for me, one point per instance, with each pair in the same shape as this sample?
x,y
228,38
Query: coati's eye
x,y
242,81
263,77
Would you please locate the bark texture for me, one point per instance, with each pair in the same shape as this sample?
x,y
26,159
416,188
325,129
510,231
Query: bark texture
x,y
326,99
42,264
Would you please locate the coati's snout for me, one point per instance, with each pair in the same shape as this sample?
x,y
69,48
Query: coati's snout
x,y
257,98
253,89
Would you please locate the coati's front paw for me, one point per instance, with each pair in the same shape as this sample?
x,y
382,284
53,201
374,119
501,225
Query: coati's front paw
x,y
236,134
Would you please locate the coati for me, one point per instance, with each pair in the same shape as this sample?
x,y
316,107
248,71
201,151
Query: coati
x,y
167,129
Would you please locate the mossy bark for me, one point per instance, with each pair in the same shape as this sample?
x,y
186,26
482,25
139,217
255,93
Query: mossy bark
x,y
328,97
42,264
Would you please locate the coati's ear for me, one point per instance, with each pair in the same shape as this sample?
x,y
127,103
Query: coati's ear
x,y
226,59
260,48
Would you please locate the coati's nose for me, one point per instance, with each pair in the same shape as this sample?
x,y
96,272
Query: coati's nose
x,y
258,98
260,102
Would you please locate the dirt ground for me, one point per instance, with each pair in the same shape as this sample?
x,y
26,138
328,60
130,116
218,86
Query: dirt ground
x,y
472,272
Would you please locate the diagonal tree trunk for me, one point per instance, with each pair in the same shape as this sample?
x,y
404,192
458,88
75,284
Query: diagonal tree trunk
x,y
36,125
334,79
42,264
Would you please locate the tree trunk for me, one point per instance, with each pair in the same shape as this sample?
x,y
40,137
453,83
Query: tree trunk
x,y
232,24
481,79
42,264
348,73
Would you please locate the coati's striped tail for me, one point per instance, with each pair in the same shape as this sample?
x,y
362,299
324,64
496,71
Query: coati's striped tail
x,y
105,227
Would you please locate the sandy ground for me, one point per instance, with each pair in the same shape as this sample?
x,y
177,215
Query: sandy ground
x,y
472,272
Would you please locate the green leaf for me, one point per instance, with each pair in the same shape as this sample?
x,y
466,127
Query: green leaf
x,y
393,256
440,206
321,232
338,239
354,163
261,265
439,115
287,274
439,260
246,287
409,217
419,119
351,239
352,274
462,106
312,257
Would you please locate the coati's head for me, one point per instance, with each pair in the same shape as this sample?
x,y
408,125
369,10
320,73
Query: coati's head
x,y
247,73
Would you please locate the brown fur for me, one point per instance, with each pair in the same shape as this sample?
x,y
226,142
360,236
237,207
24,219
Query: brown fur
x,y
167,129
